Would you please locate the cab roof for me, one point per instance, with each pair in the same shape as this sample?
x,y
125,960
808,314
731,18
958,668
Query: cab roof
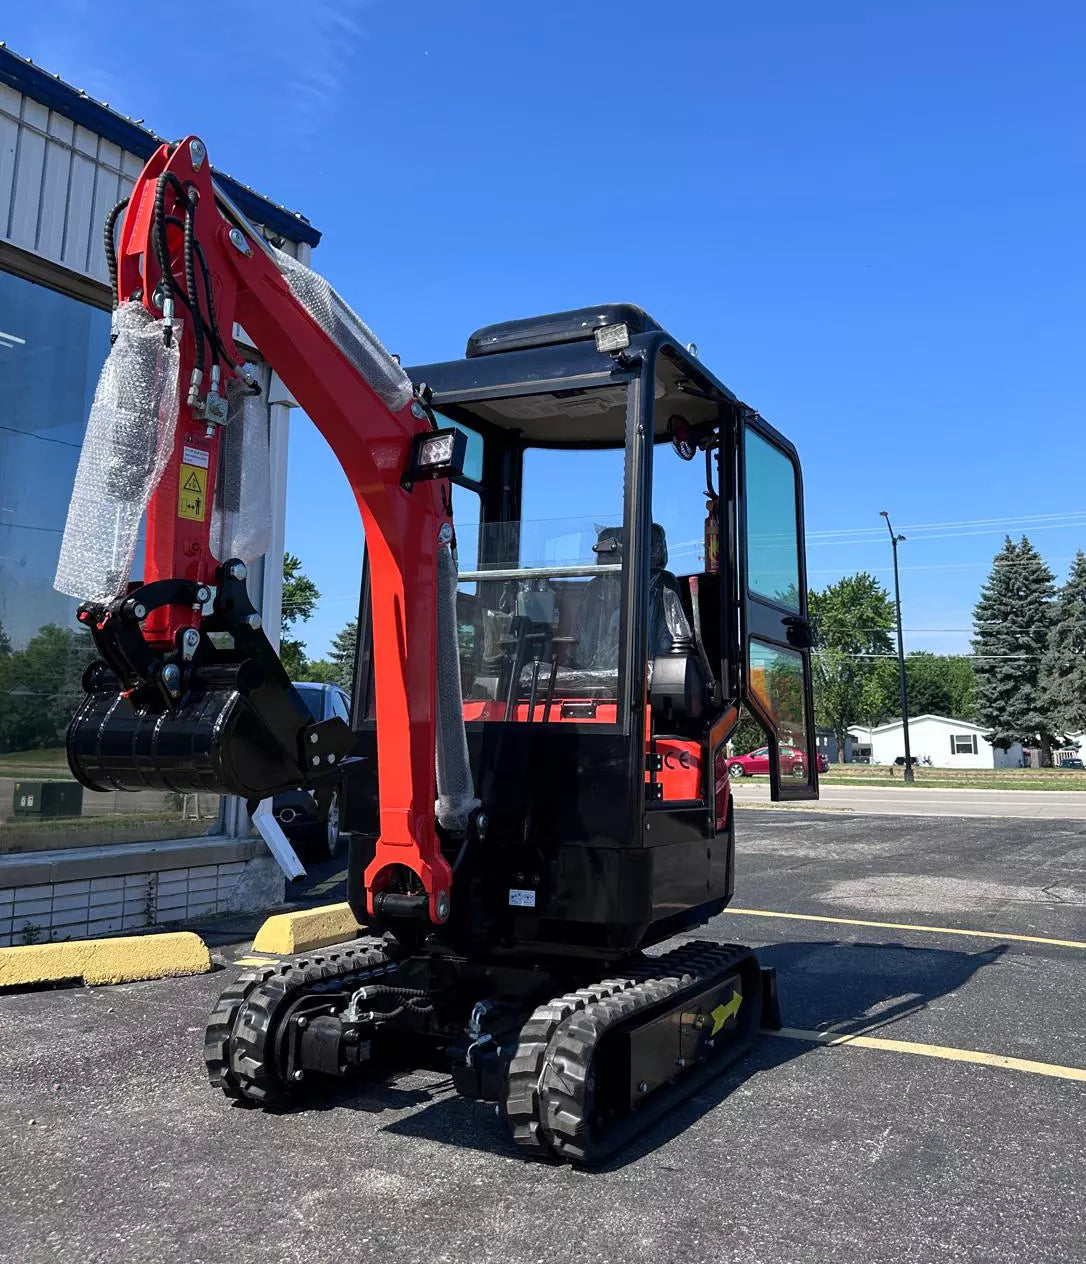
x,y
545,380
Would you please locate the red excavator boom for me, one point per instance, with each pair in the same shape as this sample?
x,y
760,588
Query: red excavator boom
x,y
188,256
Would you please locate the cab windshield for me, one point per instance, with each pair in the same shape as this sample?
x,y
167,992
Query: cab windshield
x,y
539,601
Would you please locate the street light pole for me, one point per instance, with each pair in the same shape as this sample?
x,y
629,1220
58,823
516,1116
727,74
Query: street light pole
x,y
894,540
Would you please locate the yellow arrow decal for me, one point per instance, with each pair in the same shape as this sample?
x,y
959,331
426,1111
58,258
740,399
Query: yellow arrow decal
x,y
722,1013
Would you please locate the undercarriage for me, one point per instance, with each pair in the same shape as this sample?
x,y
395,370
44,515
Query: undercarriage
x,y
576,1065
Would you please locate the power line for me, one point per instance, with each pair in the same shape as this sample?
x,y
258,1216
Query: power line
x,y
975,657
946,535
944,566
30,434
962,522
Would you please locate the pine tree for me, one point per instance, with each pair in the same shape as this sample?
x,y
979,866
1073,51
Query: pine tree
x,y
344,645
1063,670
1012,621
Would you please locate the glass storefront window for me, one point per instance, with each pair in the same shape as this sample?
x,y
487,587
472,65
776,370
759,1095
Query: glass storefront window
x,y
52,347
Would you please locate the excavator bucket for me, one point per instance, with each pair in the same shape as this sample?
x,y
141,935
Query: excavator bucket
x,y
216,741
224,721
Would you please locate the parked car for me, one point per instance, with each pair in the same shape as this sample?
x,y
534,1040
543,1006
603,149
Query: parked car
x,y
757,762
1072,763
296,810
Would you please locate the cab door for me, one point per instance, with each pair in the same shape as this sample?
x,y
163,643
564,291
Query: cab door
x,y
775,634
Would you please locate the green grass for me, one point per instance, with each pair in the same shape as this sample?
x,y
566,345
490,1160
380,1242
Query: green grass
x,y
44,834
36,765
1054,779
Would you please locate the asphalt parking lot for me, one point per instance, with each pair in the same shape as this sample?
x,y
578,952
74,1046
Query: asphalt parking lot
x,y
114,1148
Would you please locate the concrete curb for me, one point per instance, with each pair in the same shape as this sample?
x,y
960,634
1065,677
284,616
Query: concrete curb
x,y
95,961
288,933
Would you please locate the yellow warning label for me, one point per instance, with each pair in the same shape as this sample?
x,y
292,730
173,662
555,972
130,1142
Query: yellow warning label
x,y
192,493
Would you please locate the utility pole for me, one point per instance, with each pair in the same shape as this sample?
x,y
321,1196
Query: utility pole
x,y
895,540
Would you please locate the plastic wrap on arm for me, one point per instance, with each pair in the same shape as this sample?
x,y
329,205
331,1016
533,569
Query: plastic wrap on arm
x,y
347,330
241,516
126,447
455,790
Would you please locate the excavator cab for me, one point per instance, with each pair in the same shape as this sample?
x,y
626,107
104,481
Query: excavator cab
x,y
600,680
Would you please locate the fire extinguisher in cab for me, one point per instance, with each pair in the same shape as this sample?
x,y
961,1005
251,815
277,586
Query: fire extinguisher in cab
x,y
712,535
712,520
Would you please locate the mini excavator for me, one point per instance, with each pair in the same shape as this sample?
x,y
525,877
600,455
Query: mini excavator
x,y
534,779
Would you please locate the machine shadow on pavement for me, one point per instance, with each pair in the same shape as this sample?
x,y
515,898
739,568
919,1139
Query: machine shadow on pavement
x,y
848,986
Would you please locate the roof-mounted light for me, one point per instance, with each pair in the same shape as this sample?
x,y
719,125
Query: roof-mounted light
x,y
612,338
579,325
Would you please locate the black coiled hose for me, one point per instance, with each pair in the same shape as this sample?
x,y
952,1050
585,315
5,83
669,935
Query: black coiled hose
x,y
111,250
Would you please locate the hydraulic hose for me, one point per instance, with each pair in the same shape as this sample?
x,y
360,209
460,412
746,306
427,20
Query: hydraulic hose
x,y
111,249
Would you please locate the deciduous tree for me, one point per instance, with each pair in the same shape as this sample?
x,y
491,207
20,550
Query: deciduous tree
x,y
300,597
940,684
852,621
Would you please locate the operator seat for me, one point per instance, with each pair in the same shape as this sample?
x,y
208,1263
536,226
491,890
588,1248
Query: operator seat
x,y
600,619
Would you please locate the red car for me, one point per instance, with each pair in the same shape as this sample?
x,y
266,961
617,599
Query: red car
x,y
757,762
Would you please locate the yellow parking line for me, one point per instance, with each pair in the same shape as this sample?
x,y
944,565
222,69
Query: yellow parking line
x,y
946,1052
931,930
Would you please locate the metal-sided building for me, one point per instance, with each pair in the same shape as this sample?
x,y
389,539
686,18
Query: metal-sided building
x,y
74,863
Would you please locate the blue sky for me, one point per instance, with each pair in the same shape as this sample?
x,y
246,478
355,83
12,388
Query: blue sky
x,y
869,216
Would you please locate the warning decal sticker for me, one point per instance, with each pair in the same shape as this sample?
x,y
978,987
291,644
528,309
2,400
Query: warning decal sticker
x,y
192,493
195,456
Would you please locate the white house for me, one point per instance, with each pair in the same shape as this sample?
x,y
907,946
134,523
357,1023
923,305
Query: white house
x,y
946,742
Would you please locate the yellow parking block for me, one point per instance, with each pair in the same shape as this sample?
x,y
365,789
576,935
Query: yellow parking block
x,y
288,933
122,960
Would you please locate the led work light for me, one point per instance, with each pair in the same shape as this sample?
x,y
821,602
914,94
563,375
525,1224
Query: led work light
x,y
437,454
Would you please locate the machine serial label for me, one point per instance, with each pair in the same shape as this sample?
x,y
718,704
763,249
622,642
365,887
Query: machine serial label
x,y
195,456
192,493
522,899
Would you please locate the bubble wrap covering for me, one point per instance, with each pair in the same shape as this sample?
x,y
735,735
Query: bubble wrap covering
x,y
126,447
241,515
455,789
347,330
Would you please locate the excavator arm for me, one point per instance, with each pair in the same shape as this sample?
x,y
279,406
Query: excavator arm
x,y
189,693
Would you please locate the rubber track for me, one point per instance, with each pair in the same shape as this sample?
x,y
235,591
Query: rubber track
x,y
521,1105
566,1068
236,1043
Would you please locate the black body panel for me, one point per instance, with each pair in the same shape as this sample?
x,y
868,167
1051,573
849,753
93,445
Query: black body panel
x,y
565,824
